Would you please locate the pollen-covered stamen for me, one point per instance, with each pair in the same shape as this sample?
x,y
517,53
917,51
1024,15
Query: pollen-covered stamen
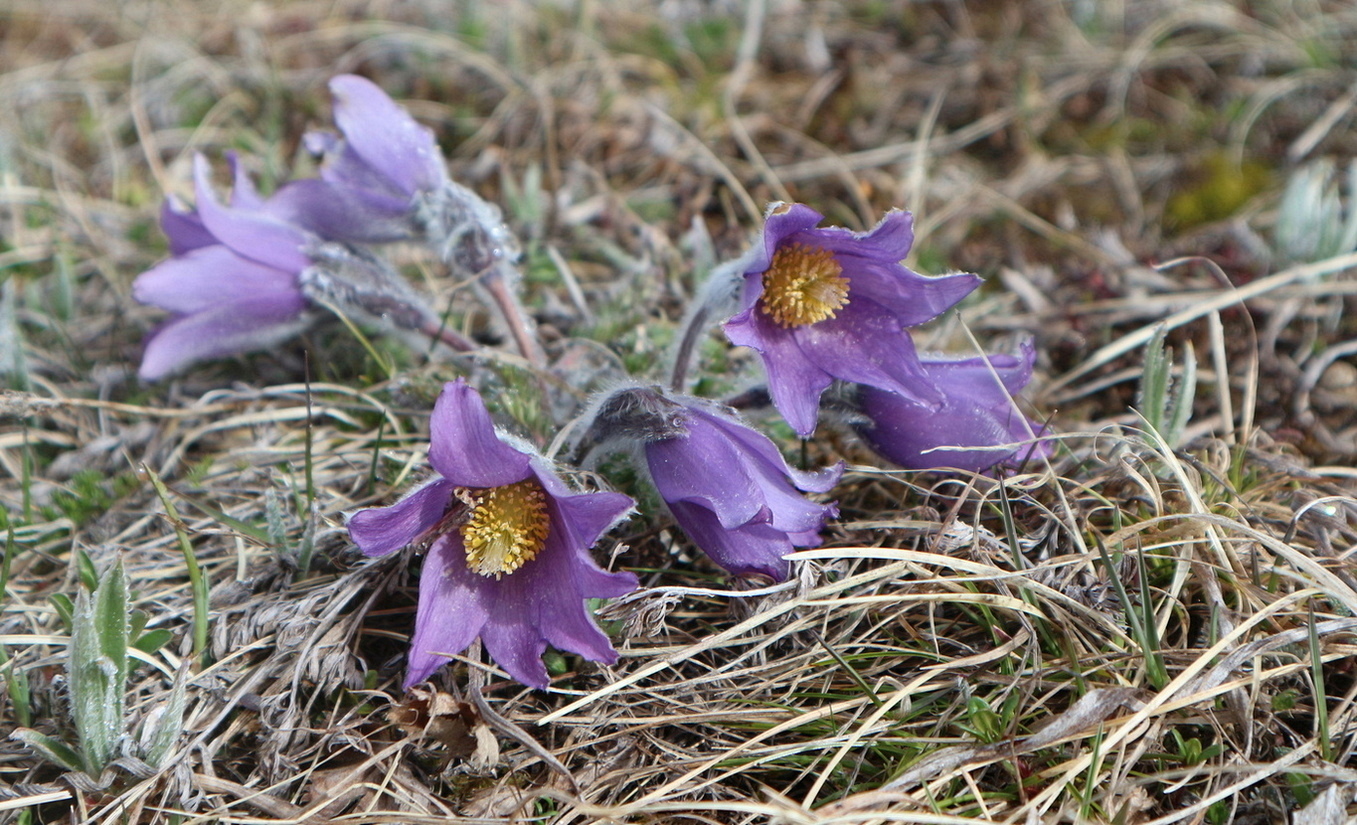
x,y
804,285
507,527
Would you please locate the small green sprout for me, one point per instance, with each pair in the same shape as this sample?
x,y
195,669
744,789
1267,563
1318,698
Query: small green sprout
x,y
103,628
1165,410
1315,221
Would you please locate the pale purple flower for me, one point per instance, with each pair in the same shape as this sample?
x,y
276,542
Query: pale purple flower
x,y
373,178
233,284
733,493
384,179
825,304
976,411
508,549
385,152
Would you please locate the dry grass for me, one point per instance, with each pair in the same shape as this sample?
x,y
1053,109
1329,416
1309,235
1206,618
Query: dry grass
x,y
1139,632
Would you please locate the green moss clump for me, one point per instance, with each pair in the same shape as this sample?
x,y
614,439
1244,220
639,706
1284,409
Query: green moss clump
x,y
1218,189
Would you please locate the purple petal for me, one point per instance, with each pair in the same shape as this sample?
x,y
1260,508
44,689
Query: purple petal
x,y
976,412
811,538
752,485
753,549
385,136
348,172
517,646
911,298
682,469
577,632
782,222
910,434
209,277
972,376
336,212
556,586
866,345
872,265
578,521
250,233
793,380
184,228
345,170
243,194
381,530
762,447
584,517
464,446
453,609
889,241
241,326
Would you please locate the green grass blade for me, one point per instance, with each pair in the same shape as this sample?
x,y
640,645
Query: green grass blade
x,y
1152,399
1181,411
53,750
197,582
259,534
1322,732
17,685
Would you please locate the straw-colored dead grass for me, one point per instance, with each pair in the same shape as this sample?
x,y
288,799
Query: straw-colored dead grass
x,y
1137,632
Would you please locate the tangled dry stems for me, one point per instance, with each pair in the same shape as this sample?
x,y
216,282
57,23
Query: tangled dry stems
x,y
1139,632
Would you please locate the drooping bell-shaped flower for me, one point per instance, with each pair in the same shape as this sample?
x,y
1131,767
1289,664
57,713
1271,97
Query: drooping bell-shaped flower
x,y
726,484
820,304
232,285
245,275
977,413
384,179
508,549
374,177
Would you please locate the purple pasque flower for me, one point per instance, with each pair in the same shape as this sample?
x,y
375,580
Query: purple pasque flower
x,y
385,153
821,304
977,411
232,285
374,177
385,180
508,556
727,485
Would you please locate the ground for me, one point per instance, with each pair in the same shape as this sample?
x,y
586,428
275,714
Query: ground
x,y
1155,626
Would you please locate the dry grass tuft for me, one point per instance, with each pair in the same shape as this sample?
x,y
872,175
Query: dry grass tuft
x,y
1140,631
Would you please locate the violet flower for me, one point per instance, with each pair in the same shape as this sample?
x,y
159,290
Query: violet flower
x,y
385,180
245,275
976,411
233,284
508,556
826,304
373,177
727,485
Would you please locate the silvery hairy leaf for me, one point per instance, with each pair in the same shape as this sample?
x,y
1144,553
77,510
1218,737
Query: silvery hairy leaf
x,y
97,667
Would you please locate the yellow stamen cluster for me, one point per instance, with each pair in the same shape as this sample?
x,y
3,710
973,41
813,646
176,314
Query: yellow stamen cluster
x,y
507,527
804,285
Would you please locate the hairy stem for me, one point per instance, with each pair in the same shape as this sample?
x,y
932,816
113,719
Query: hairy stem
x,y
520,326
695,324
440,332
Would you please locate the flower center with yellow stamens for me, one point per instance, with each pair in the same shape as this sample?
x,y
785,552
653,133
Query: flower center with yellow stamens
x,y
507,527
804,285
